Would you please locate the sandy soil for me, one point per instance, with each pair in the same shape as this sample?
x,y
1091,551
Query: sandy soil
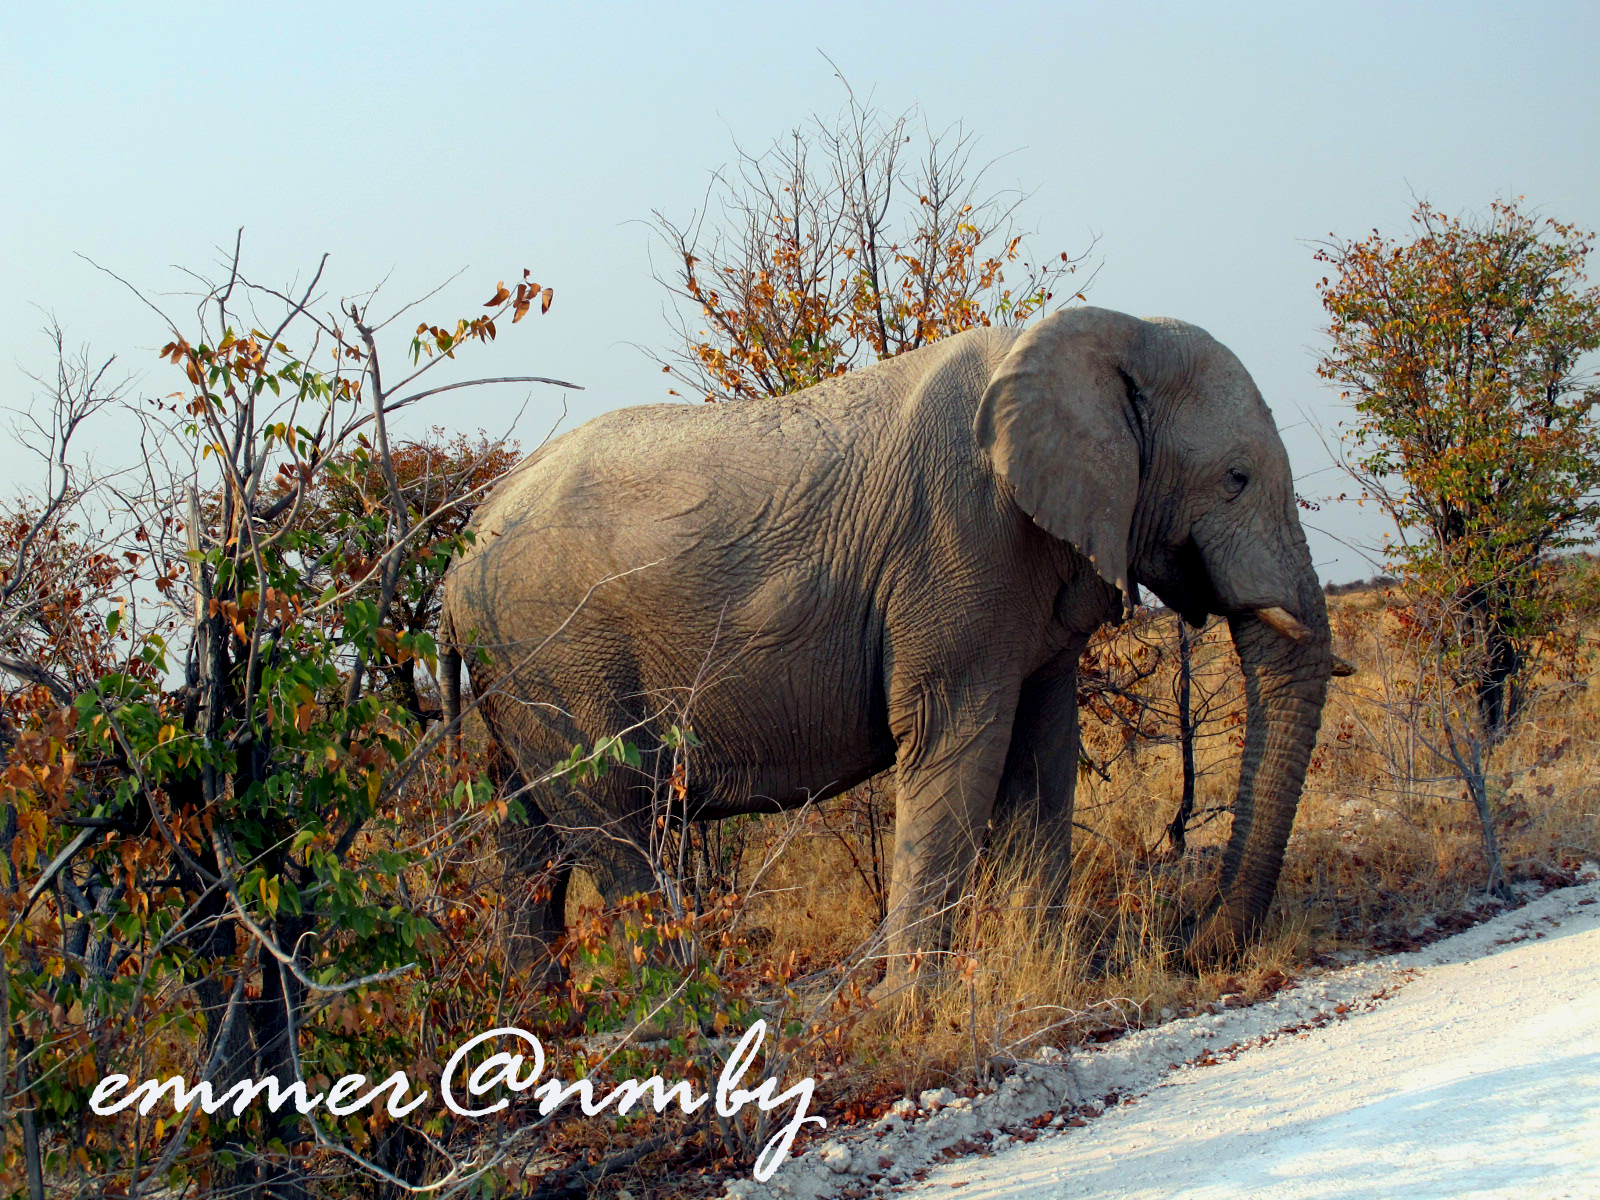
x,y
1467,1069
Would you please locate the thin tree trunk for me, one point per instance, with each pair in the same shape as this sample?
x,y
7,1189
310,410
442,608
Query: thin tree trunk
x,y
1497,682
30,1127
1178,831
1467,753
1495,870
273,1018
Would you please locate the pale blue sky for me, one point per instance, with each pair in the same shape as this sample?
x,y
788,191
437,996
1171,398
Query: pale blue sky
x,y
1205,145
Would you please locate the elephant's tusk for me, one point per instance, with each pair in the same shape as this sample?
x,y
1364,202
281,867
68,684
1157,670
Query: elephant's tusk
x,y
1343,667
1284,622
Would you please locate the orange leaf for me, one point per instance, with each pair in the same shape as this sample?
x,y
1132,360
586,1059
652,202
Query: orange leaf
x,y
499,297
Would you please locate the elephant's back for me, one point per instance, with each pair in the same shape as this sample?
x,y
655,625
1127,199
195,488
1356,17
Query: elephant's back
x,y
780,495
644,437
639,517
775,444
627,474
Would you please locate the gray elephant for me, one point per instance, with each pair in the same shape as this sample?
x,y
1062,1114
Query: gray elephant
x,y
898,568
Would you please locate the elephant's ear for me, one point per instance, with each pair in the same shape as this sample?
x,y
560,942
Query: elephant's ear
x,y
1055,420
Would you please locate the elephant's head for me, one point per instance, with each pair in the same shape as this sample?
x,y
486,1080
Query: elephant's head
x,y
1146,445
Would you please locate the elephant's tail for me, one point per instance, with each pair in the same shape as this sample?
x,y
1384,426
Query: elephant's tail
x,y
450,678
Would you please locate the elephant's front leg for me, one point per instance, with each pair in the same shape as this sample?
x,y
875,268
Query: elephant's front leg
x,y
952,752
1034,811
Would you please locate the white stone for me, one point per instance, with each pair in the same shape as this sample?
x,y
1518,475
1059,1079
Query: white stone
x,y
835,1157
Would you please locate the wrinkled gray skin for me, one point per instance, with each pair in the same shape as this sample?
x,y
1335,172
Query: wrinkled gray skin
x,y
897,569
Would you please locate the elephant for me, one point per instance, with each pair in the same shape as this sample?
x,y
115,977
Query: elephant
x,y
896,568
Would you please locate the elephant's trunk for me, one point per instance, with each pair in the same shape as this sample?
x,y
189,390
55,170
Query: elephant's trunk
x,y
1286,660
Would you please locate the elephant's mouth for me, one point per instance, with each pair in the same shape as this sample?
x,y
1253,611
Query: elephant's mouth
x,y
1184,585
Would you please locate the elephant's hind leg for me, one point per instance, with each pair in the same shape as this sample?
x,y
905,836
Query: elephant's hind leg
x,y
606,826
538,873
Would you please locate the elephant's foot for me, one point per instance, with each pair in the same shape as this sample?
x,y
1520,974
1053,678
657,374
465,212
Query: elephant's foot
x,y
537,960
1216,938
661,1027
1040,902
897,990
909,975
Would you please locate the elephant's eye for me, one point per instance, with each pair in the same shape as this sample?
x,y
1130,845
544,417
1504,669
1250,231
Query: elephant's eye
x,y
1235,481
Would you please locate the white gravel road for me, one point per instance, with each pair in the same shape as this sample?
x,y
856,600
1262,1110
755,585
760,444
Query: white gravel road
x,y
1466,1070
1480,1077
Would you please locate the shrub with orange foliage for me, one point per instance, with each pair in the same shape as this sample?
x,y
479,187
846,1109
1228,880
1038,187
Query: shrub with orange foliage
x,y
841,245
